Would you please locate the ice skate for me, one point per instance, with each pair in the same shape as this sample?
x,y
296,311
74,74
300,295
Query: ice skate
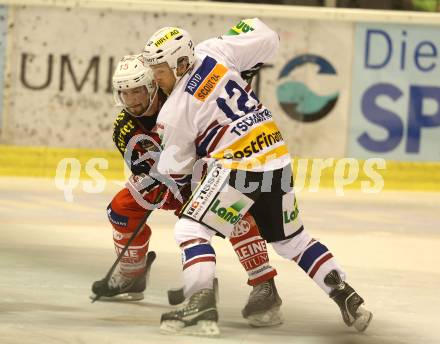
x,y
121,287
197,316
263,306
350,303
176,295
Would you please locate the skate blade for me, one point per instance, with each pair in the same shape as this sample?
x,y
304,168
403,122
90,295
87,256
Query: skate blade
x,y
203,328
361,323
271,317
120,297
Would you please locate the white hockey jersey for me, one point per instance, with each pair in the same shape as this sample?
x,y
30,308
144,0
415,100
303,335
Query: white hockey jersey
x,y
212,112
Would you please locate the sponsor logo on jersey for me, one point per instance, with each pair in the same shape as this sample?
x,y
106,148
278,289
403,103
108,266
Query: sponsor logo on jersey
x,y
256,266
130,256
207,190
252,249
117,235
291,215
242,27
230,214
259,146
115,218
292,223
122,132
243,125
206,78
241,228
256,141
166,36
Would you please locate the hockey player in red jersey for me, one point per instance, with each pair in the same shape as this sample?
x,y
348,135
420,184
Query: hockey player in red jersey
x,y
140,99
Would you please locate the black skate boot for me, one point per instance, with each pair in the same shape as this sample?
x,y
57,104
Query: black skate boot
x,y
197,316
263,306
121,287
350,303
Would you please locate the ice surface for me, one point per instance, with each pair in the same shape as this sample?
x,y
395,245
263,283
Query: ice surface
x,y
51,251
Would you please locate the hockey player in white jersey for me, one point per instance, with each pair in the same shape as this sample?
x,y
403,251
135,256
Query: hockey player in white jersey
x,y
212,113
140,100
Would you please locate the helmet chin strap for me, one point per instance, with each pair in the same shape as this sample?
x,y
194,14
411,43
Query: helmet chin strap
x,y
151,101
178,78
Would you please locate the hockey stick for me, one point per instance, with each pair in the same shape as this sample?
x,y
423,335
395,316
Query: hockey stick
x,y
150,258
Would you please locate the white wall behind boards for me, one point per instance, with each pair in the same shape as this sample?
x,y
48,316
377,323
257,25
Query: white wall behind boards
x,y
64,58
59,62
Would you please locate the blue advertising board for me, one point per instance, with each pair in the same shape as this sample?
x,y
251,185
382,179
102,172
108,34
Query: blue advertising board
x,y
395,109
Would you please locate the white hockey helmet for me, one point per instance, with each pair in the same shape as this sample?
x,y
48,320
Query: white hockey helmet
x,y
171,45
131,72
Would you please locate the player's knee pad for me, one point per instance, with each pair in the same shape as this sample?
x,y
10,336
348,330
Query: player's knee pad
x,y
123,211
187,230
125,224
292,247
123,201
117,218
125,215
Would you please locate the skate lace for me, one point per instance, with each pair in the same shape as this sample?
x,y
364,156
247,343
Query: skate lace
x,y
197,297
261,291
194,300
118,280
